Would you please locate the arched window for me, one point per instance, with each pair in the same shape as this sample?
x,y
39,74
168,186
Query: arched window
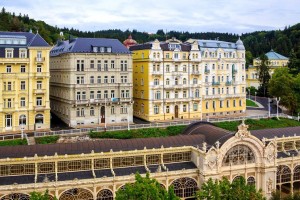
x,y
16,196
185,187
236,178
297,173
283,174
157,95
39,119
251,180
105,195
156,81
22,120
184,81
167,81
238,155
197,93
76,194
176,81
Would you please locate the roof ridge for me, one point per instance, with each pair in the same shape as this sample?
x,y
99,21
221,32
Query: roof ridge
x,y
29,43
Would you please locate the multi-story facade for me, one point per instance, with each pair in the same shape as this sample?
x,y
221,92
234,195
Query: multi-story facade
x,y
275,60
91,81
96,170
195,79
24,88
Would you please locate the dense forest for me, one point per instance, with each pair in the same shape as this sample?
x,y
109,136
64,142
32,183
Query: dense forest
x,y
285,42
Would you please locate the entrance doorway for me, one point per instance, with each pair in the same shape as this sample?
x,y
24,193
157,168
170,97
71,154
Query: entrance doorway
x,y
176,111
102,113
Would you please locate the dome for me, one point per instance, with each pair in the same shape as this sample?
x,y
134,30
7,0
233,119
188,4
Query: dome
x,y
240,44
129,42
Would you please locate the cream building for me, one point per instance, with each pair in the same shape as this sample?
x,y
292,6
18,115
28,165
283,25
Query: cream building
x,y
24,78
195,79
275,60
91,82
95,170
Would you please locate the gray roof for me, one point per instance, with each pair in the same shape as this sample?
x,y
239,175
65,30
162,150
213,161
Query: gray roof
x,y
32,40
85,45
272,55
216,44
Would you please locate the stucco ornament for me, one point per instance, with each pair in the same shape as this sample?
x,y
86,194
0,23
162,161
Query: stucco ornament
x,y
269,186
270,152
242,131
212,159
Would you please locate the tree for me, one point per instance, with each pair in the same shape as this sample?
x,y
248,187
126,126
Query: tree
x,y
285,86
145,189
263,71
224,190
294,64
276,196
40,196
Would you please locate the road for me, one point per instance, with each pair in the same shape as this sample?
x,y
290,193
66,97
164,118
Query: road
x,y
264,102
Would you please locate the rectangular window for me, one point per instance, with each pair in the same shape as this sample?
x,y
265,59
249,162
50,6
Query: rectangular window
x,y
227,102
23,53
23,85
39,85
105,65
22,102
92,94
123,79
8,69
105,79
39,68
9,103
112,64
234,103
92,64
99,79
9,86
195,107
112,94
9,53
98,94
78,96
184,108
99,65
106,94
112,79
92,112
39,101
83,95
23,69
112,110
8,120
78,79
82,80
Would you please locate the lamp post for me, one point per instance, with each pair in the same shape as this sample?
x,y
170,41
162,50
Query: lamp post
x,y
255,96
104,114
22,127
130,105
269,106
277,101
298,117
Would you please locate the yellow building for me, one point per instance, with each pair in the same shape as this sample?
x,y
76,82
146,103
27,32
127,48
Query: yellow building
x,y
191,80
24,102
275,61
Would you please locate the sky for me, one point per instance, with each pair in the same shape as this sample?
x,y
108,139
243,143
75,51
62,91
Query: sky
x,y
233,16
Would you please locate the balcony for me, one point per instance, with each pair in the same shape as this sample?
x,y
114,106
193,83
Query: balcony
x,y
228,83
39,108
80,102
177,87
39,60
8,92
9,110
14,60
157,73
39,91
195,73
41,74
176,73
215,83
234,71
206,71
214,96
153,87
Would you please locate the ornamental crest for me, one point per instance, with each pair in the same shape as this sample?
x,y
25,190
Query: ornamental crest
x,y
242,131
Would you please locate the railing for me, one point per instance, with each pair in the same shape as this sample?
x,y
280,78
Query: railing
x,y
195,72
228,83
155,125
39,59
207,71
215,83
10,137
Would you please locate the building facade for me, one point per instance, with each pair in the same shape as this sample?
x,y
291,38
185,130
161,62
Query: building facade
x,y
96,170
275,60
195,79
91,81
24,102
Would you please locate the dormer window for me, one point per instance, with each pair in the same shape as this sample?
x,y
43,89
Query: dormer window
x,y
9,53
23,53
174,46
102,49
95,49
108,49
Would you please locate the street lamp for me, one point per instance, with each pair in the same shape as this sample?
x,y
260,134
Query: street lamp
x,y
255,95
105,114
277,101
22,127
130,105
298,117
269,107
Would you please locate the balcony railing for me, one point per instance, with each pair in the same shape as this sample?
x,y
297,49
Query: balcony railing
x,y
228,83
207,71
234,71
39,91
39,108
39,59
195,72
215,83
157,73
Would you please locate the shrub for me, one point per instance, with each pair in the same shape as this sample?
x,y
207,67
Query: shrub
x,y
13,142
47,139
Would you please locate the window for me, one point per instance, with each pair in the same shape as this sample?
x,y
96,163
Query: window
x,y
92,64
206,105
99,79
78,112
112,94
234,90
112,110
9,103
156,81
22,102
240,102
98,94
78,96
78,79
157,95
184,94
105,94
92,80
99,65
8,69
105,79
112,64
39,119
195,81
234,103
142,108
142,68
23,85
22,120
39,68
176,55
176,81
83,95
176,94
8,121
142,94
156,109
206,91
167,68
238,155
82,112
197,93
92,94
221,104
195,107
39,101
228,103
123,110
142,81
167,109
123,79
184,81
123,65
105,65
9,53
112,79
167,81
23,69
82,80
184,108
39,85
92,111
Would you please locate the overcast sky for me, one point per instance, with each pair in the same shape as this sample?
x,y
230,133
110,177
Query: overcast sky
x,y
235,16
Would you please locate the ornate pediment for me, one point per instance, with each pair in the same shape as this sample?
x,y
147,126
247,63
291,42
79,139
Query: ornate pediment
x,y
242,131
